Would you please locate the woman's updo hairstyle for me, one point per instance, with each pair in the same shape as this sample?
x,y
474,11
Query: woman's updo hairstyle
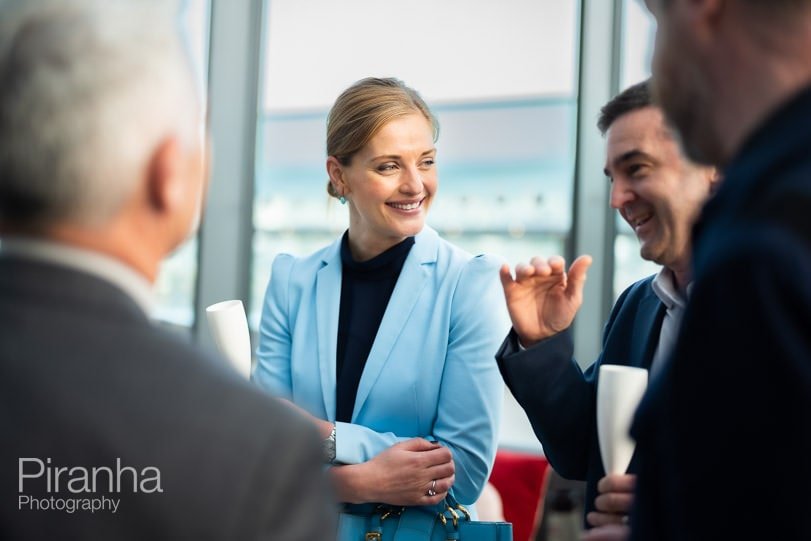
x,y
365,107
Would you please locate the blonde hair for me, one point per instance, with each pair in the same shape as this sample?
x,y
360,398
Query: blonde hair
x,y
363,109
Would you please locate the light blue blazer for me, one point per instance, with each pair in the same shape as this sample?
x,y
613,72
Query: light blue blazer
x,y
431,371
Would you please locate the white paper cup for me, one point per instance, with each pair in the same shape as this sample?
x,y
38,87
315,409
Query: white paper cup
x,y
229,327
619,390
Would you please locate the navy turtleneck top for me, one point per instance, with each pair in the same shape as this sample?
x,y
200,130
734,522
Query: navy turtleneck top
x,y
366,288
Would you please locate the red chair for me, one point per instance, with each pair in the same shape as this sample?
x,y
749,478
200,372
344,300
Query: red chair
x,y
520,479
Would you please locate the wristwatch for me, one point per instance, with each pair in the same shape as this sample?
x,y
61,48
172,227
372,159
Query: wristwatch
x,y
329,447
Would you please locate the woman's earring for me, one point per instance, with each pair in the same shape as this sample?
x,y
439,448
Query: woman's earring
x,y
342,199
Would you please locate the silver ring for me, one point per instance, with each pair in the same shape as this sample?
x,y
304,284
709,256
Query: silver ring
x,y
431,491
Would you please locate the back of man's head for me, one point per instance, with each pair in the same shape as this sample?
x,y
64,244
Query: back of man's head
x,y
88,89
633,98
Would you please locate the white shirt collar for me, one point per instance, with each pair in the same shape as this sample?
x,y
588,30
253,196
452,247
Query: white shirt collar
x,y
134,284
664,285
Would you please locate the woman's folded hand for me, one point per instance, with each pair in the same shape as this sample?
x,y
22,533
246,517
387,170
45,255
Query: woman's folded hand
x,y
413,472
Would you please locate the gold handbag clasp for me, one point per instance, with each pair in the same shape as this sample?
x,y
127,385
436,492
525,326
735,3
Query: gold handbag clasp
x,y
373,536
464,510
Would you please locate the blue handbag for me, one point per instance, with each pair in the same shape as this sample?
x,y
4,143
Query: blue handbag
x,y
448,521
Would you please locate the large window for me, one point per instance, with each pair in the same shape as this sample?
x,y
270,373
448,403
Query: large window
x,y
175,287
638,29
501,78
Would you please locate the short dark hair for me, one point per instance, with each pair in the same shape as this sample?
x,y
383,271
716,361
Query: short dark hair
x,y
632,98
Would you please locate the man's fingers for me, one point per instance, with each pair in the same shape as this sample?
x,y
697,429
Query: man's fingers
x,y
506,277
577,274
524,271
557,265
607,533
579,267
595,518
553,270
540,265
614,502
617,483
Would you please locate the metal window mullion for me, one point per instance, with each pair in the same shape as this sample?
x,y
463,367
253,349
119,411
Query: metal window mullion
x,y
226,230
593,228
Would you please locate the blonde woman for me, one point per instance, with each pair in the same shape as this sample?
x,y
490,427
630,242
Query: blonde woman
x,y
387,336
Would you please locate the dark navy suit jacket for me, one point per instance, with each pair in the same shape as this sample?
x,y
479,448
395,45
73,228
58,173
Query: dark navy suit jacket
x,y
724,438
559,399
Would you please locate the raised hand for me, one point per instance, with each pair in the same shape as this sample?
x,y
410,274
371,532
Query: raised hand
x,y
543,298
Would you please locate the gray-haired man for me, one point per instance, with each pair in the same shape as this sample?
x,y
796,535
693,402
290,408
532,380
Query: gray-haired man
x,y
111,428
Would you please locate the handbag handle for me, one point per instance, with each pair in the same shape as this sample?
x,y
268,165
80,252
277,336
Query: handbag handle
x,y
451,508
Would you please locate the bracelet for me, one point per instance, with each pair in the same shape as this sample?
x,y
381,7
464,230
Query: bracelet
x,y
329,447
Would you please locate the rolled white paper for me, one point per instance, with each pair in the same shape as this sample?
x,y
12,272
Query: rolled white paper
x,y
619,390
229,327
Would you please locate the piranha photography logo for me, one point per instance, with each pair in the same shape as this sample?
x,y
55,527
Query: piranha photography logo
x,y
46,487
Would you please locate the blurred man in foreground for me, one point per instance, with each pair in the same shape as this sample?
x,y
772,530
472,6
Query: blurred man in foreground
x,y
724,439
112,428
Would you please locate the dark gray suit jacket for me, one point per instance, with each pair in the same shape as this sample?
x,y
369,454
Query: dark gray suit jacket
x,y
86,379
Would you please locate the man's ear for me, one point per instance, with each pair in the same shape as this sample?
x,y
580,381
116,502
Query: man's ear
x,y
165,181
704,16
336,176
